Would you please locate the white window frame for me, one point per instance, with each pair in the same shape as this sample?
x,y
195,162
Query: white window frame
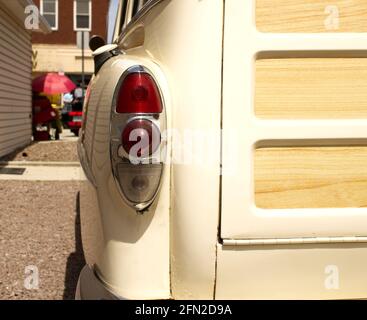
x,y
90,17
56,14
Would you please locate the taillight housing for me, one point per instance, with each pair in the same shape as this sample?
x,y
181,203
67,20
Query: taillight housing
x,y
139,94
138,119
143,131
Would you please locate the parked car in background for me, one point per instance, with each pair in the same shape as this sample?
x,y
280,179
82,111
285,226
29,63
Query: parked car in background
x,y
76,121
75,117
72,115
222,143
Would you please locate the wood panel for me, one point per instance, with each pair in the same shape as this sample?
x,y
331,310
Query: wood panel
x,y
311,177
311,88
311,15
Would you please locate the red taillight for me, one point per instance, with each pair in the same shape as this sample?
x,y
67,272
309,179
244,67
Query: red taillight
x,y
142,133
138,116
139,94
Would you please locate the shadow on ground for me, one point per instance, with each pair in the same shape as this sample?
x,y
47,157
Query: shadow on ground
x,y
76,261
17,152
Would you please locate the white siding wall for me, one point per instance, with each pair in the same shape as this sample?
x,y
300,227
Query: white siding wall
x,y
15,84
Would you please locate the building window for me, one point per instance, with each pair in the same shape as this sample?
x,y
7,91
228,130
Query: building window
x,y
82,15
50,11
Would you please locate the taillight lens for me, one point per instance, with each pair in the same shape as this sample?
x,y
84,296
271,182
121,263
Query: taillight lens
x,y
139,94
139,183
138,118
140,138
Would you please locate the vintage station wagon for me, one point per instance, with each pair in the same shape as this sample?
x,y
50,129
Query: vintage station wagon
x,y
224,145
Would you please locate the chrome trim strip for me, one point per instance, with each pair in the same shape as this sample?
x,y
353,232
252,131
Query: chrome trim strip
x,y
91,287
293,241
143,11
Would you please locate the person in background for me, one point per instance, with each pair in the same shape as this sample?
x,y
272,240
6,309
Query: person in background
x,y
78,101
68,99
43,115
78,93
56,103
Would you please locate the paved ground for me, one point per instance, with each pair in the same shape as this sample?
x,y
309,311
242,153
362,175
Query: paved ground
x,y
43,173
67,135
63,150
40,228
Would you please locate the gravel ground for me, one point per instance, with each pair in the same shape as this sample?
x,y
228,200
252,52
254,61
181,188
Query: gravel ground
x,y
46,151
40,230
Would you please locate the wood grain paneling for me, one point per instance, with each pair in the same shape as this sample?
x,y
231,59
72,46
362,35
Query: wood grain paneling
x,y
311,88
311,15
311,177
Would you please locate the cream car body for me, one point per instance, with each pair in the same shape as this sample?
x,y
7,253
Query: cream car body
x,y
203,237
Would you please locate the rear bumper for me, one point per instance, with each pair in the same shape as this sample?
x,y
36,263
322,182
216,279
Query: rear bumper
x,y
91,288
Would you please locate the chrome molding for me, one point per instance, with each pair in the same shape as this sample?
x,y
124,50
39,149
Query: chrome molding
x,y
91,287
293,241
147,7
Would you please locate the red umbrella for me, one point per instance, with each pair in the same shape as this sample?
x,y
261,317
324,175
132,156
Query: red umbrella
x,y
53,83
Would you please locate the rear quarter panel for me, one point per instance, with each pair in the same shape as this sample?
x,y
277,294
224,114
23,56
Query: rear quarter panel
x,y
171,250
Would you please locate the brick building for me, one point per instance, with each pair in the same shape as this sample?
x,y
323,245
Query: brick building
x,y
58,51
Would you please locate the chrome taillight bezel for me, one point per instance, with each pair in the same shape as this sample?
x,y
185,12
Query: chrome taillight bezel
x,y
118,157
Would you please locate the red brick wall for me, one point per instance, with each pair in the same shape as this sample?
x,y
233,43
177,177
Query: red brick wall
x,y
65,33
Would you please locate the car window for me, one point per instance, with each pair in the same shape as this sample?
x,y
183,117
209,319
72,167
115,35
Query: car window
x,y
112,18
124,9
